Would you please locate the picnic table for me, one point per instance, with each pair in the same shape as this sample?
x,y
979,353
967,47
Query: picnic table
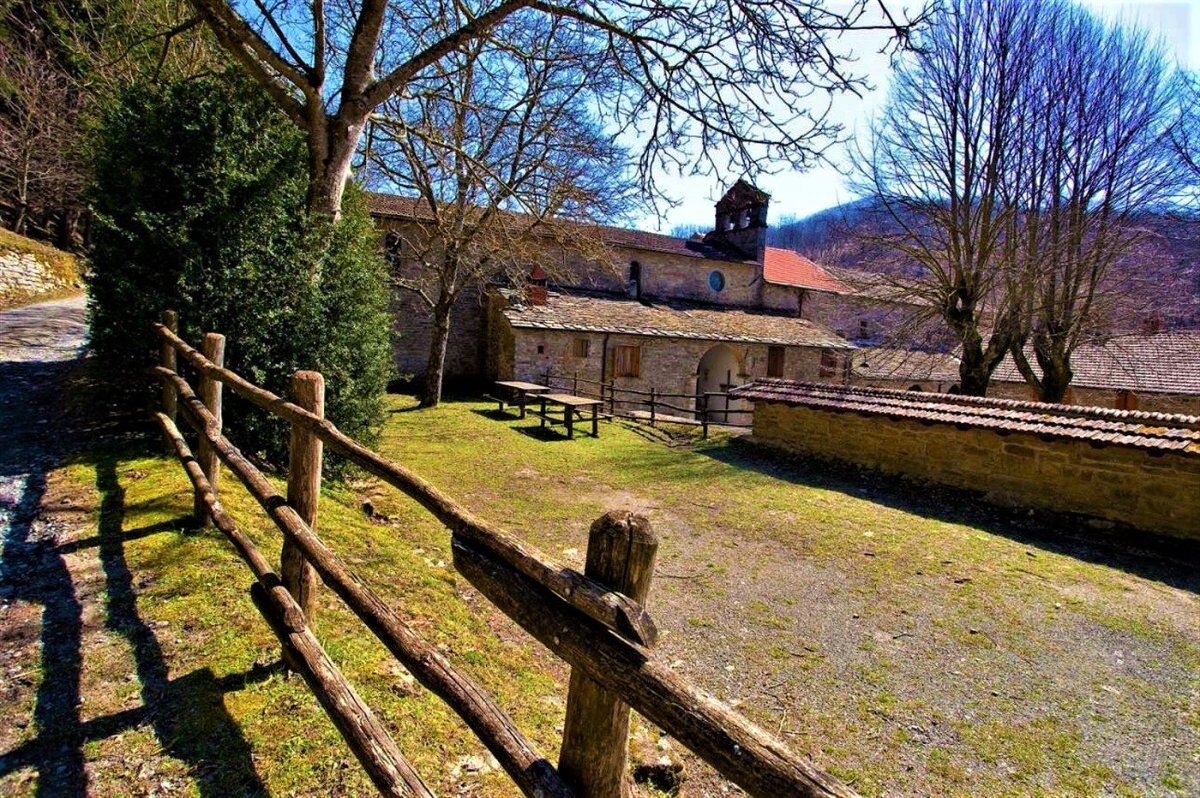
x,y
572,409
515,392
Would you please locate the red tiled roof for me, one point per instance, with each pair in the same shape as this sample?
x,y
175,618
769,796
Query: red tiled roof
x,y
398,207
1166,362
1098,426
593,311
786,267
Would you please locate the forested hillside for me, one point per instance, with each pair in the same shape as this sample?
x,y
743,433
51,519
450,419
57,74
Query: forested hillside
x,y
1160,281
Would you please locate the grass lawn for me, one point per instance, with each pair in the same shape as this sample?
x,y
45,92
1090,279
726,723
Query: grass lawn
x,y
910,642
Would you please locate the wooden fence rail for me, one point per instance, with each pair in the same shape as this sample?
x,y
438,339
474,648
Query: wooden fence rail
x,y
653,400
595,621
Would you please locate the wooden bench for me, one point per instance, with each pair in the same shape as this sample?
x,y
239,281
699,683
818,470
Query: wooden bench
x,y
572,410
516,393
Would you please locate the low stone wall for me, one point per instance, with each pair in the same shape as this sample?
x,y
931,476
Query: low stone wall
x,y
1146,489
24,277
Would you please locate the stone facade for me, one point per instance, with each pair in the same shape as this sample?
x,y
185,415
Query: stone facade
x,y
466,351
667,365
1151,490
723,269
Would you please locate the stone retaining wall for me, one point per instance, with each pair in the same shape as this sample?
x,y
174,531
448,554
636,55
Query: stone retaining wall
x,y
1151,490
23,277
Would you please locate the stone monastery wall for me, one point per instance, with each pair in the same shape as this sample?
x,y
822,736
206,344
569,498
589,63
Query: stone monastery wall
x,y
1146,475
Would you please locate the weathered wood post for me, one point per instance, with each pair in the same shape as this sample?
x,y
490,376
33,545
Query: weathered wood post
x,y
575,383
166,359
620,554
213,348
303,488
704,413
612,398
652,407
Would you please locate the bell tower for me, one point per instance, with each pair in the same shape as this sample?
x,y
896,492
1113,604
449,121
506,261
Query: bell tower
x,y
741,220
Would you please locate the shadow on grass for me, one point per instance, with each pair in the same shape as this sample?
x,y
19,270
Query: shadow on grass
x,y
187,713
1161,559
496,415
554,434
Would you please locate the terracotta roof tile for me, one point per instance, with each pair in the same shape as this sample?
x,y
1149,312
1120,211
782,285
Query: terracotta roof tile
x,y
786,267
589,311
1156,431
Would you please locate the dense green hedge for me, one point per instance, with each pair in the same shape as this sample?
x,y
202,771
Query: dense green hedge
x,y
198,202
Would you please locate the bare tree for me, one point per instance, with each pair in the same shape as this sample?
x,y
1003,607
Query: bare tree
x,y
39,135
59,63
1092,159
740,79
939,161
504,159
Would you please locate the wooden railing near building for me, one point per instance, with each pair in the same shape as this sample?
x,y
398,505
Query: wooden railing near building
x,y
595,621
706,408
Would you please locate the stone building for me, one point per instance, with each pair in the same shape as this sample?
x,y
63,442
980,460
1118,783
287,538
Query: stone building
x,y
1158,373
679,315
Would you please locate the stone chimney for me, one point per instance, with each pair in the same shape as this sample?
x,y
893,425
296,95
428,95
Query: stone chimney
x,y
535,286
741,221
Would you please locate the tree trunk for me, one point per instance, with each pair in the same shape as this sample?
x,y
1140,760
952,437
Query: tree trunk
x,y
973,372
436,368
1056,376
331,147
973,379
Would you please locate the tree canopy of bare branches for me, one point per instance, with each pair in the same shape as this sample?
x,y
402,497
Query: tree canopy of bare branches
x,y
60,62
504,157
1018,146
39,133
1093,160
705,83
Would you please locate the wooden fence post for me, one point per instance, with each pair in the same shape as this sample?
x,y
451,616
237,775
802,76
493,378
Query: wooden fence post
x,y
303,488
213,348
704,414
621,553
612,398
166,359
652,407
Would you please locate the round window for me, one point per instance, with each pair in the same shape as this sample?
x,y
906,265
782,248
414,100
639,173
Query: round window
x,y
716,280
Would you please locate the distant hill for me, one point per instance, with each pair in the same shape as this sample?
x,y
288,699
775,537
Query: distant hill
x,y
1161,280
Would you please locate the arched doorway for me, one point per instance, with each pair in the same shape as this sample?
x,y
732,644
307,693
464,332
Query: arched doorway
x,y
718,371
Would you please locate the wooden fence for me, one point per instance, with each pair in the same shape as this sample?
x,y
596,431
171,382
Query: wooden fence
x,y
705,408
595,621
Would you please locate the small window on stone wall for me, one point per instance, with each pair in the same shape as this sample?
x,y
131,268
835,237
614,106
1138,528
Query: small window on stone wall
x,y
541,349
581,347
627,361
775,358
829,364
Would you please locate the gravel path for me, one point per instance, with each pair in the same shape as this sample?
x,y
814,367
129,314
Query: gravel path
x,y
40,613
39,346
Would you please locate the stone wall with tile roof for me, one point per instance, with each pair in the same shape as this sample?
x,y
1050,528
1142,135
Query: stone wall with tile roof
x,y
1135,469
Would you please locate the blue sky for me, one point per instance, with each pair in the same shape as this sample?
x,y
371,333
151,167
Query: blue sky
x,y
1177,22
